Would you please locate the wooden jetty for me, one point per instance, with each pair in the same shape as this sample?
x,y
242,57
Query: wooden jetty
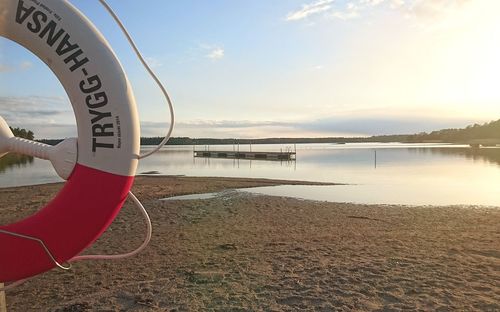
x,y
287,155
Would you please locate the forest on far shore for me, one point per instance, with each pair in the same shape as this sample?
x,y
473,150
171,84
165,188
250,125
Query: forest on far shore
x,y
487,131
23,133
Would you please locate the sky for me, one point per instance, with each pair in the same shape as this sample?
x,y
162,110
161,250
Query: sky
x,y
272,68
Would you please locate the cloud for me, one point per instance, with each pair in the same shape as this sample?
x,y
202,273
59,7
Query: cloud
x,y
372,2
218,128
25,65
433,9
45,116
379,125
392,3
421,9
19,104
153,62
216,53
355,9
221,124
309,9
41,123
347,125
339,10
397,3
5,68
351,11
231,124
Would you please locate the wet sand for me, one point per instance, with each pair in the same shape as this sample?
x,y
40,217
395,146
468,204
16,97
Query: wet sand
x,y
242,252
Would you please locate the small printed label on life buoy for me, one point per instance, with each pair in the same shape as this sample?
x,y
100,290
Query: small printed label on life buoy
x,y
41,20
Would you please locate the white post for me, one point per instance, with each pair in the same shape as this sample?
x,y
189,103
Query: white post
x,y
3,302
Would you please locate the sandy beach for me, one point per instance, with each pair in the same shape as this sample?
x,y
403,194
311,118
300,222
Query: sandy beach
x,y
245,252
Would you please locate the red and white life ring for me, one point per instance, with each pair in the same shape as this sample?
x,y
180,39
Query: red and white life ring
x,y
108,135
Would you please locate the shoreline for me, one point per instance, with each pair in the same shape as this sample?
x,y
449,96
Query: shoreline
x,y
241,183
258,181
242,251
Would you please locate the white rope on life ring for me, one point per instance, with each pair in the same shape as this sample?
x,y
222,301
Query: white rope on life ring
x,y
100,165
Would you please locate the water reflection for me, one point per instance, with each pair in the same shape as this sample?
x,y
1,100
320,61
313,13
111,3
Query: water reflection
x,y
486,154
240,163
377,173
14,161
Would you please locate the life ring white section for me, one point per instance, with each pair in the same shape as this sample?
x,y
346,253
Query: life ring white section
x,y
78,54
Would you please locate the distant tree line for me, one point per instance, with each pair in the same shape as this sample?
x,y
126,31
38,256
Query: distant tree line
x,y
333,140
23,133
50,141
489,130
211,141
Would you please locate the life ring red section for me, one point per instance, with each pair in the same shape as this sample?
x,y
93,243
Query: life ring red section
x,y
75,218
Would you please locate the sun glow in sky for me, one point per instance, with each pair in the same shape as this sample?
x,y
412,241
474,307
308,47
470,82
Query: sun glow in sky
x,y
285,68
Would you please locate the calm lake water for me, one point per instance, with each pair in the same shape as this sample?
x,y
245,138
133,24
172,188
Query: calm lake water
x,y
395,173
